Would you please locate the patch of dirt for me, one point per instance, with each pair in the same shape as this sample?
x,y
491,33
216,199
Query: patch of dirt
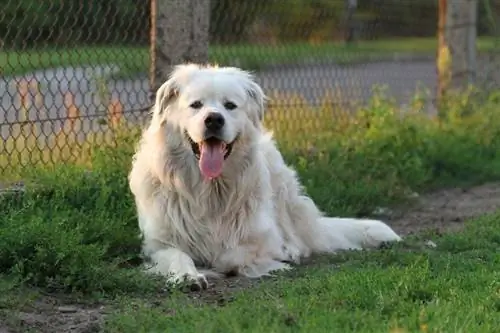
x,y
443,211
220,291
50,313
446,210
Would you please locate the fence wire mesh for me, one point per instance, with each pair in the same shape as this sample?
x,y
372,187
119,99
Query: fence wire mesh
x,y
73,71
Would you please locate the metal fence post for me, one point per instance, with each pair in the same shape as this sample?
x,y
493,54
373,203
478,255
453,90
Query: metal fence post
x,y
351,6
456,56
179,34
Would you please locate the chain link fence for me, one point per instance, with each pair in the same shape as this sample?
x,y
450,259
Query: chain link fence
x,y
73,71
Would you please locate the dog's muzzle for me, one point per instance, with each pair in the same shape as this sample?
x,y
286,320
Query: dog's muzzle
x,y
213,150
211,154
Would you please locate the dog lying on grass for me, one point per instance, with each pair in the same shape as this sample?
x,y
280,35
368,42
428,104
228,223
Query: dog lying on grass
x,y
213,193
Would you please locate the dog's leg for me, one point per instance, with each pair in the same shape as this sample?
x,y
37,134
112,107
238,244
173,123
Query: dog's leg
x,y
261,252
178,267
351,233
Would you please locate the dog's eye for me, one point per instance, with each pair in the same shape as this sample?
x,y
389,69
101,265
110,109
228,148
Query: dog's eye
x,y
230,106
196,105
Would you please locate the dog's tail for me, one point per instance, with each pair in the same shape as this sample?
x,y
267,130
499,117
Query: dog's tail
x,y
350,233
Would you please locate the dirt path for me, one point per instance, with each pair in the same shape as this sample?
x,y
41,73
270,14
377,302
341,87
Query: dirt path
x,y
444,211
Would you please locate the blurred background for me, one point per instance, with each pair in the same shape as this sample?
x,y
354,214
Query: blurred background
x,y
82,66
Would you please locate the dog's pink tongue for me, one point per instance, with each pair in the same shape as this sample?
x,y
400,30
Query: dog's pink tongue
x,y
211,159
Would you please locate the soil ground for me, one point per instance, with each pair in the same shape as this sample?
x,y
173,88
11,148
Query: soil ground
x,y
441,211
446,210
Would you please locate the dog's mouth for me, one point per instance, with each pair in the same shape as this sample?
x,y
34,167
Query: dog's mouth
x,y
211,154
212,143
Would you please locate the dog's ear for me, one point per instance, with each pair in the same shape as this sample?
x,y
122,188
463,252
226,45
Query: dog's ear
x,y
169,91
165,95
257,95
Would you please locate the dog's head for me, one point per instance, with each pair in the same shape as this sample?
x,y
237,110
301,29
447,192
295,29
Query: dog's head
x,y
213,108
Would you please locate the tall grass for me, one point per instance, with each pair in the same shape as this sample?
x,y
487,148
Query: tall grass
x,y
74,227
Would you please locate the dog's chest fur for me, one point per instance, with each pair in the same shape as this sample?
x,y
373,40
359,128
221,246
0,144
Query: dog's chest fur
x,y
208,217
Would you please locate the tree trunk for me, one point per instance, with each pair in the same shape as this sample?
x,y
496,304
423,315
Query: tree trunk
x,y
179,34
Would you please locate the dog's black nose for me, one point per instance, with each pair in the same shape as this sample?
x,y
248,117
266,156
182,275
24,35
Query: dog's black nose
x,y
214,121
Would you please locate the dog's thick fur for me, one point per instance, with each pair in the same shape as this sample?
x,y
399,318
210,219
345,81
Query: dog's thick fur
x,y
251,219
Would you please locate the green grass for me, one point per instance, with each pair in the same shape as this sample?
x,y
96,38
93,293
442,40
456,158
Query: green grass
x,y
455,288
74,230
134,60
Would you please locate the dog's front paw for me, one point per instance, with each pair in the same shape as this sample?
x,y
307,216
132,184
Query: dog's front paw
x,y
291,253
189,281
178,268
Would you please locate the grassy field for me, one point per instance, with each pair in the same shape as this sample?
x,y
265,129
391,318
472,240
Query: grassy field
x,y
72,235
134,60
455,288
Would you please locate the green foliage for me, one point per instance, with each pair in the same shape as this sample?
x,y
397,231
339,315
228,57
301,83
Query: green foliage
x,y
379,155
230,19
75,227
31,23
323,20
399,18
28,23
304,19
74,230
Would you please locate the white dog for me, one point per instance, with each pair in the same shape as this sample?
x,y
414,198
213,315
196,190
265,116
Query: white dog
x,y
213,191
